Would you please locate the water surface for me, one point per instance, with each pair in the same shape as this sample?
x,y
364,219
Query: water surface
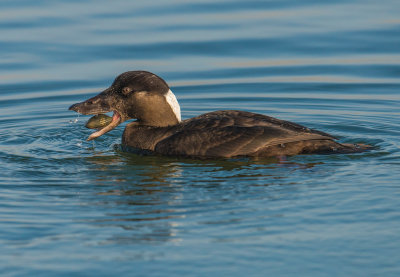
x,y
71,207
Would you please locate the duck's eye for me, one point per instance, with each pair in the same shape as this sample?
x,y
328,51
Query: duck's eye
x,y
126,90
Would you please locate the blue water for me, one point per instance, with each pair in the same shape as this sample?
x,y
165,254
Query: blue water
x,y
74,208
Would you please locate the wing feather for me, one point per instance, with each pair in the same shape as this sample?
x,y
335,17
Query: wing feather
x,y
232,133
228,141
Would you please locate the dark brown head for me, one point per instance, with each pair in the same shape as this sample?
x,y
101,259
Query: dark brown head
x,y
137,95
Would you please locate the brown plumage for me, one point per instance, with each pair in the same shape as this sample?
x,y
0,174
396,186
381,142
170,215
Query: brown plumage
x,y
231,134
158,129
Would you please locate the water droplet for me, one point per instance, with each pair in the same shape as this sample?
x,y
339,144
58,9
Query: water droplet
x,y
75,120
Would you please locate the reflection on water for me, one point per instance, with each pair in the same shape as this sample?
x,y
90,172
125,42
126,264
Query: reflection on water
x,y
150,197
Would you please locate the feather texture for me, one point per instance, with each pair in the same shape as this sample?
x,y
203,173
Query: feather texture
x,y
227,134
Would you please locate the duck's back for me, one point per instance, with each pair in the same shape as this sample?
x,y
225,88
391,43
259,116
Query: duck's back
x,y
230,134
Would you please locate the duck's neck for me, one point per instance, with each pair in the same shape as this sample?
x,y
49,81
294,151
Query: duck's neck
x,y
173,103
159,110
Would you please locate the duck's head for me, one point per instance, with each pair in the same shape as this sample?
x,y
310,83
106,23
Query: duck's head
x,y
137,95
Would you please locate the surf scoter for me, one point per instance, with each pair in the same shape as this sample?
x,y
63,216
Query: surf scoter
x,y
158,128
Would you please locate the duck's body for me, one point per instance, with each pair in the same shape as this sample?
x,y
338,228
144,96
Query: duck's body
x,y
159,129
230,134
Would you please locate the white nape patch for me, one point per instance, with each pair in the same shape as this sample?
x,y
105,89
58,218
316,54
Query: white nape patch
x,y
171,99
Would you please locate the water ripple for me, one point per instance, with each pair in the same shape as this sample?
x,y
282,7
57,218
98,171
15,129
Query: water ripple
x,y
64,201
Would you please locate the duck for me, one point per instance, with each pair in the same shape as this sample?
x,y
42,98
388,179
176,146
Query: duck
x,y
159,129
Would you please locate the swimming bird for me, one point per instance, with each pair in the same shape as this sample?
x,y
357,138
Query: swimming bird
x,y
158,128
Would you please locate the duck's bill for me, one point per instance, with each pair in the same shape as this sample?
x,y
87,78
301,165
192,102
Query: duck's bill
x,y
98,105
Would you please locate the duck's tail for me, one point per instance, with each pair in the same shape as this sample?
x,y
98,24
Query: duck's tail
x,y
348,148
